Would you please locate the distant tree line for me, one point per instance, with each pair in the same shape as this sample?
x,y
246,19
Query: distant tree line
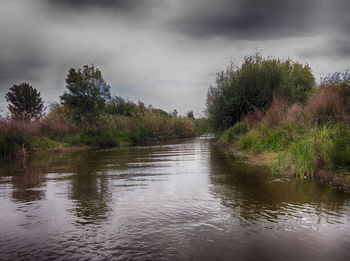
x,y
87,97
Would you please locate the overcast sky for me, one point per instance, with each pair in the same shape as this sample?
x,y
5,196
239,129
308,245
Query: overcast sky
x,y
163,52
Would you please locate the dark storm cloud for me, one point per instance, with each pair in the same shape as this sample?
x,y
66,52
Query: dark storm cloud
x,y
118,5
257,19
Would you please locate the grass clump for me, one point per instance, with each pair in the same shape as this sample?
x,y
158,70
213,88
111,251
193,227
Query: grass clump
x,y
231,134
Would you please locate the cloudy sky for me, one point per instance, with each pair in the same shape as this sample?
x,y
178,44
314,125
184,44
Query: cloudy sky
x,y
163,52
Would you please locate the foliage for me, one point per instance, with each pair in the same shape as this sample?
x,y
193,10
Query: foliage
x,y
25,102
239,91
190,114
87,94
232,133
118,105
202,126
305,137
300,148
340,81
98,137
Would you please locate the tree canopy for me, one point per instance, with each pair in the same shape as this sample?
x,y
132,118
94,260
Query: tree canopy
x,y
238,91
25,102
87,93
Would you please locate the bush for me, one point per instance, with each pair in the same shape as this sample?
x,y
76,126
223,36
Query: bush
x,y
118,105
325,105
240,91
341,82
202,126
239,128
99,137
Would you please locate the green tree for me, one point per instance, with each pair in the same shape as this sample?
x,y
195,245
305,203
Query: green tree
x,y
190,114
25,102
238,91
87,94
118,105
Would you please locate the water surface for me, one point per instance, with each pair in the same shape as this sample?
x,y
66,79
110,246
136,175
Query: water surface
x,y
184,200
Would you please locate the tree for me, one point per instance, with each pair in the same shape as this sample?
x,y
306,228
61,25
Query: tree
x,y
239,91
190,114
87,94
25,102
118,105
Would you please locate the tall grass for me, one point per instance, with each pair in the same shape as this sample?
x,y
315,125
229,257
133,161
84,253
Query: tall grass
x,y
15,136
305,137
55,130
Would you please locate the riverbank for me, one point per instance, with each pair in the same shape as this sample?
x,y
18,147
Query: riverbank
x,y
337,179
55,133
315,151
61,149
262,159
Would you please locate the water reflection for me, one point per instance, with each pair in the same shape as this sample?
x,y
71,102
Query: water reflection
x,y
257,194
28,183
90,190
87,181
182,200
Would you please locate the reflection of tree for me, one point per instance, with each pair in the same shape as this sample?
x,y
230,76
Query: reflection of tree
x,y
90,189
253,192
88,182
27,182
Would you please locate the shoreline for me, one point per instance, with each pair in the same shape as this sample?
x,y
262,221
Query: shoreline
x,y
337,180
24,152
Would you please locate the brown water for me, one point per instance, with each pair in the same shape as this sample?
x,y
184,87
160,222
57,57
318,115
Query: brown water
x,y
184,200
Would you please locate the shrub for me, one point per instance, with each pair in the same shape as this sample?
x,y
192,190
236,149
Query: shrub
x,y
324,105
202,126
99,137
277,112
239,128
240,91
120,106
341,82
15,135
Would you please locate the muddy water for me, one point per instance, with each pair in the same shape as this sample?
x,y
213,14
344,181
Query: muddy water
x,y
184,200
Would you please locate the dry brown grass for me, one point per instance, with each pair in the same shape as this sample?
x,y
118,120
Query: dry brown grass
x,y
277,112
324,104
24,128
255,117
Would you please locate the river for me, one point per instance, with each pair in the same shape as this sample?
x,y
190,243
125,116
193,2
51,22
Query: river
x,y
180,200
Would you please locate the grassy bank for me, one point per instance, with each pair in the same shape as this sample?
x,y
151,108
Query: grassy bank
x,y
57,130
270,106
305,138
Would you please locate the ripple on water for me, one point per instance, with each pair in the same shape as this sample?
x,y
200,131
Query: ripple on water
x,y
182,201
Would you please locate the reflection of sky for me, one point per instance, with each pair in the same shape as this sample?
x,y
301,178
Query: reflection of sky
x,y
181,201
